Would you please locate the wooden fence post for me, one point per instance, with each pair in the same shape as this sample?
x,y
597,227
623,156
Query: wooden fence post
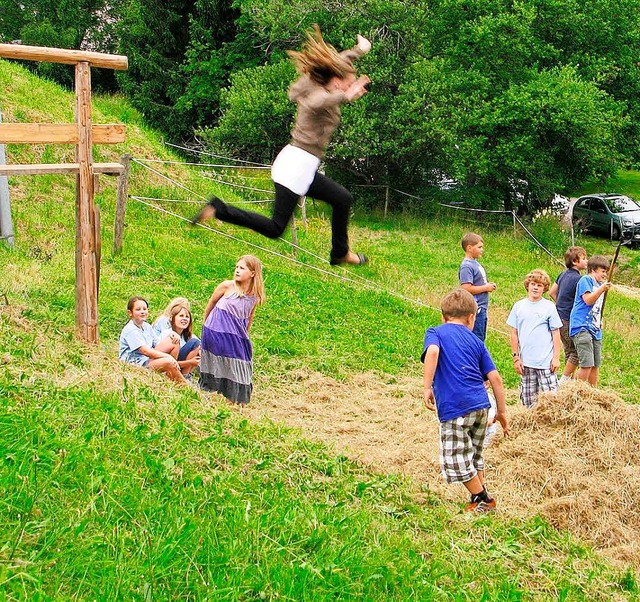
x,y
121,204
86,264
303,211
83,134
98,239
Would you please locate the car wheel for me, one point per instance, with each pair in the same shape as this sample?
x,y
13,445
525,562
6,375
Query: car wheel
x,y
615,232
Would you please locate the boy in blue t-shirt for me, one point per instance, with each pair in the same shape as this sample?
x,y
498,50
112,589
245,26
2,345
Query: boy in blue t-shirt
x,y
535,339
563,292
585,323
473,279
456,365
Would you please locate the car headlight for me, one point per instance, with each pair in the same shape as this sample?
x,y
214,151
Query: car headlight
x,y
627,222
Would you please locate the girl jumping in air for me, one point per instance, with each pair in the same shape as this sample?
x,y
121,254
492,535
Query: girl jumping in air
x,y
327,80
226,364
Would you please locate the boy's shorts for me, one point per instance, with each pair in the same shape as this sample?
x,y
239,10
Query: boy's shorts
x,y
589,349
533,381
461,443
570,353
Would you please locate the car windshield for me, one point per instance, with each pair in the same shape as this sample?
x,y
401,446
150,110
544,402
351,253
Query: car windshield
x,y
622,204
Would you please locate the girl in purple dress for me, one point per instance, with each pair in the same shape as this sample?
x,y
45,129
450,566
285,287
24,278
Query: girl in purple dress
x,y
226,365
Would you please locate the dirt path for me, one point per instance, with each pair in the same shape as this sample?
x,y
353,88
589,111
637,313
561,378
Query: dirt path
x,y
380,422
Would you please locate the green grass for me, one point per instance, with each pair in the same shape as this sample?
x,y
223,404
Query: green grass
x,y
625,182
116,485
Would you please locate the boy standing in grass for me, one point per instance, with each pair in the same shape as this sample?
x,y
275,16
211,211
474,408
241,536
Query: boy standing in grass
x,y
473,279
456,365
585,323
563,292
535,339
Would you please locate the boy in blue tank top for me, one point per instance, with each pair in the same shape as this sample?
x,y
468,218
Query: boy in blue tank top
x,y
456,365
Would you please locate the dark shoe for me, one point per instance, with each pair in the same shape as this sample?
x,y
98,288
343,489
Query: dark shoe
x,y
481,507
213,206
362,259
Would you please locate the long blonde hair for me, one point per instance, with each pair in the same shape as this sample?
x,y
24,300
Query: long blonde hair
x,y
174,303
256,286
319,60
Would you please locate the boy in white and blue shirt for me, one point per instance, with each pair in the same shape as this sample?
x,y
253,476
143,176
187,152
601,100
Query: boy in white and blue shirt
x,y
585,322
535,339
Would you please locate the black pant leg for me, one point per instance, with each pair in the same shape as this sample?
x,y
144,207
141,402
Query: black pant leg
x,y
283,208
341,200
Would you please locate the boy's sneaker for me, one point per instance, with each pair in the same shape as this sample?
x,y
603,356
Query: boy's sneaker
x,y
481,507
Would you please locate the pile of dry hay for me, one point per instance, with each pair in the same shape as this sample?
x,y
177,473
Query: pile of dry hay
x,y
573,458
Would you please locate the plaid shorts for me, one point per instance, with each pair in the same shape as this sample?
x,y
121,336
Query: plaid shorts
x,y
535,380
461,443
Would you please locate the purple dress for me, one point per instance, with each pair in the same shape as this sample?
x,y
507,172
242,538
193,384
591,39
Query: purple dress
x,y
226,364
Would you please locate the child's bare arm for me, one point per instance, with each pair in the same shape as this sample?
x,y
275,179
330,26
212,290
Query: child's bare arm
x,y
250,322
553,291
557,343
430,365
592,296
357,89
495,380
217,294
155,354
480,288
515,350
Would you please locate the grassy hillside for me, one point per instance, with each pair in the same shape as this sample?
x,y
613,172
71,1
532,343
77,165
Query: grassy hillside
x,y
114,484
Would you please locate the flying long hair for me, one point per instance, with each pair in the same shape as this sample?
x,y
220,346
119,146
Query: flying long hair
x,y
319,60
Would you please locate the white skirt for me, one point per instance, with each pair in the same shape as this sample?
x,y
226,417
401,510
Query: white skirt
x,y
295,168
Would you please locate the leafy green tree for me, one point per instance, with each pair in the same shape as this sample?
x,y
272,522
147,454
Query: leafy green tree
x,y
155,36
255,92
76,24
476,90
217,47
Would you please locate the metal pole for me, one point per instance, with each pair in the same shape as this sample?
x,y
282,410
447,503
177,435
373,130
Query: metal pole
x,y
6,225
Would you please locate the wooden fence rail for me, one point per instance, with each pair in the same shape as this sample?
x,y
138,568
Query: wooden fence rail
x,y
83,134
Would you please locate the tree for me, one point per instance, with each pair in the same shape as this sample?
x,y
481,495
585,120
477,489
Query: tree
x,y
155,36
253,93
476,89
76,24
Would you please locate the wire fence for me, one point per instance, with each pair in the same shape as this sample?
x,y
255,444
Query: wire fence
x,y
252,181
